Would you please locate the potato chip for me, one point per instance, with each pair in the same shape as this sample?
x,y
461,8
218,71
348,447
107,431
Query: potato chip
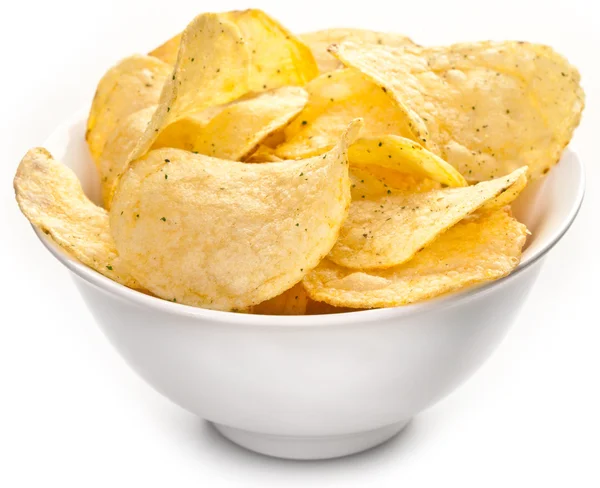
x,y
263,154
404,155
50,196
392,179
212,68
319,41
278,57
482,248
364,184
120,143
133,84
388,231
227,235
376,181
290,302
335,99
238,128
487,108
507,196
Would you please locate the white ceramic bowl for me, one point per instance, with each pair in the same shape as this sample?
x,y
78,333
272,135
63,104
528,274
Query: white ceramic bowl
x,y
317,386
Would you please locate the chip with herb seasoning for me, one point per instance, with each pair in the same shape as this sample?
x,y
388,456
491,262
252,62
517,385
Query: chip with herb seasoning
x,y
389,230
487,108
405,156
335,99
235,130
119,145
133,84
481,248
234,178
212,55
278,57
319,41
50,196
228,235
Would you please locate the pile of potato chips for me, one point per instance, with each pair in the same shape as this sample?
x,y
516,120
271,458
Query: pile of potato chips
x,y
246,169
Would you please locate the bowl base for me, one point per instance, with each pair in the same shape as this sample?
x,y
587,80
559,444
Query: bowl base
x,y
306,448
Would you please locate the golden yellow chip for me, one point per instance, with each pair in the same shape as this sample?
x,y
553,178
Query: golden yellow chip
x,y
228,235
406,156
365,184
335,99
263,154
387,231
482,248
290,302
393,179
133,84
507,196
238,128
120,143
487,108
376,181
212,69
50,196
319,41
277,56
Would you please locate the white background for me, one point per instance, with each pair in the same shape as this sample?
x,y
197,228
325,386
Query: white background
x,y
73,415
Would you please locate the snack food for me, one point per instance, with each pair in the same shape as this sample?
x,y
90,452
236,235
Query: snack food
x,y
236,177
487,108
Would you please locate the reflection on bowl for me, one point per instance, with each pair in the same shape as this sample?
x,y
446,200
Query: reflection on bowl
x,y
313,387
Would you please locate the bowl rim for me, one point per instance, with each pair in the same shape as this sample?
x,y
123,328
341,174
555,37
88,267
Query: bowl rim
x,y
444,301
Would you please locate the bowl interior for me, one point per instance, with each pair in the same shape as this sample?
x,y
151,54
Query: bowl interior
x,y
547,206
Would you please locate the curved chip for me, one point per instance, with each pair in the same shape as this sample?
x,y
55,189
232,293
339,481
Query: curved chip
x,y
389,230
133,84
278,57
487,108
120,143
212,68
50,196
377,181
319,41
507,196
290,302
481,248
227,235
335,99
238,128
396,180
406,156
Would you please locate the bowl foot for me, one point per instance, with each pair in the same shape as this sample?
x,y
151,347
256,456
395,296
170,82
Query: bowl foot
x,y
300,447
